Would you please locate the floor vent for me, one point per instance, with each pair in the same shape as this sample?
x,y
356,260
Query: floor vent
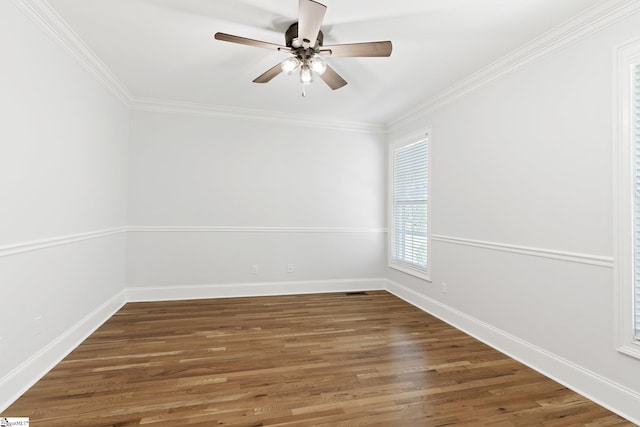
x,y
355,293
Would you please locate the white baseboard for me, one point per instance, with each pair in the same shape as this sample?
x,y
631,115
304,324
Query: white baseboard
x,y
612,396
19,380
616,398
230,290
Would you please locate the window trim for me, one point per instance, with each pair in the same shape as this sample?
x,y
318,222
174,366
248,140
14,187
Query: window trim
x,y
399,143
626,57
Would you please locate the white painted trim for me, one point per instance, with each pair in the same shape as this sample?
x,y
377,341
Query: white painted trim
x,y
615,397
403,141
21,247
304,120
591,21
45,16
205,229
17,248
41,12
598,260
623,197
233,290
19,380
600,16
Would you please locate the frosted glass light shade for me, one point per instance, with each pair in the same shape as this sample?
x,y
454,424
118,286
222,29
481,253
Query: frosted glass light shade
x,y
305,74
318,65
289,65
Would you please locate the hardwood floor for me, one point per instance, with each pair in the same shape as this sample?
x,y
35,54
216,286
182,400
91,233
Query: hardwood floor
x,y
311,360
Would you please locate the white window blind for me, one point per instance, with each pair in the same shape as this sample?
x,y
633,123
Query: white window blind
x,y
636,197
410,183
626,262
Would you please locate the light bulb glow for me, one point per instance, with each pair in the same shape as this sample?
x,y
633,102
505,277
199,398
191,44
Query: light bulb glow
x,y
318,65
289,65
305,74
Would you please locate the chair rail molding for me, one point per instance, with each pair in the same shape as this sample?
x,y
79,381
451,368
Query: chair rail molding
x,y
251,229
597,260
33,245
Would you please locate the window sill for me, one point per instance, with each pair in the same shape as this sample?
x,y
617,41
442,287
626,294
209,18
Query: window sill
x,y
631,349
413,272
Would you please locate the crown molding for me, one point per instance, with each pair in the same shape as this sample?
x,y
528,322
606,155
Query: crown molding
x,y
303,120
589,22
41,12
45,16
583,25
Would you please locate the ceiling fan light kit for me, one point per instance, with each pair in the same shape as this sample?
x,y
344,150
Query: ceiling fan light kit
x,y
317,65
304,41
306,76
290,65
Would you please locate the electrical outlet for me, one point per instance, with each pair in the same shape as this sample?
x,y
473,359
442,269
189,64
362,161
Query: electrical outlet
x,y
444,288
254,269
289,268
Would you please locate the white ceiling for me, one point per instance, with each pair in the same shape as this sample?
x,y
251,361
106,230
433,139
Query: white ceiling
x,y
164,49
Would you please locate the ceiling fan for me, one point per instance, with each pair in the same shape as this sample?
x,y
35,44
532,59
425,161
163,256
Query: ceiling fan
x,y
303,40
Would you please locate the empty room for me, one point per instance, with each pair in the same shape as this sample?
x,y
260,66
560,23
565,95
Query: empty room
x,y
333,213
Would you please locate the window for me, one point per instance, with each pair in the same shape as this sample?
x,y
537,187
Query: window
x,y
409,212
627,194
635,124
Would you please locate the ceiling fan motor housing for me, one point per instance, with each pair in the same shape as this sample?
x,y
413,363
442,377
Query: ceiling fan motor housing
x,y
292,41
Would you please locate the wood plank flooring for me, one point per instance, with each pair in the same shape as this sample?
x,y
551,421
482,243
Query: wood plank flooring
x,y
306,360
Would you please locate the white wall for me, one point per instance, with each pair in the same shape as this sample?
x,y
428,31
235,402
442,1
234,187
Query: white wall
x,y
522,177
63,185
259,194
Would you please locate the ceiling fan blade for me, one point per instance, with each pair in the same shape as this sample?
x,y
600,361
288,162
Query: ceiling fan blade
x,y
269,74
310,17
358,49
333,79
249,42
